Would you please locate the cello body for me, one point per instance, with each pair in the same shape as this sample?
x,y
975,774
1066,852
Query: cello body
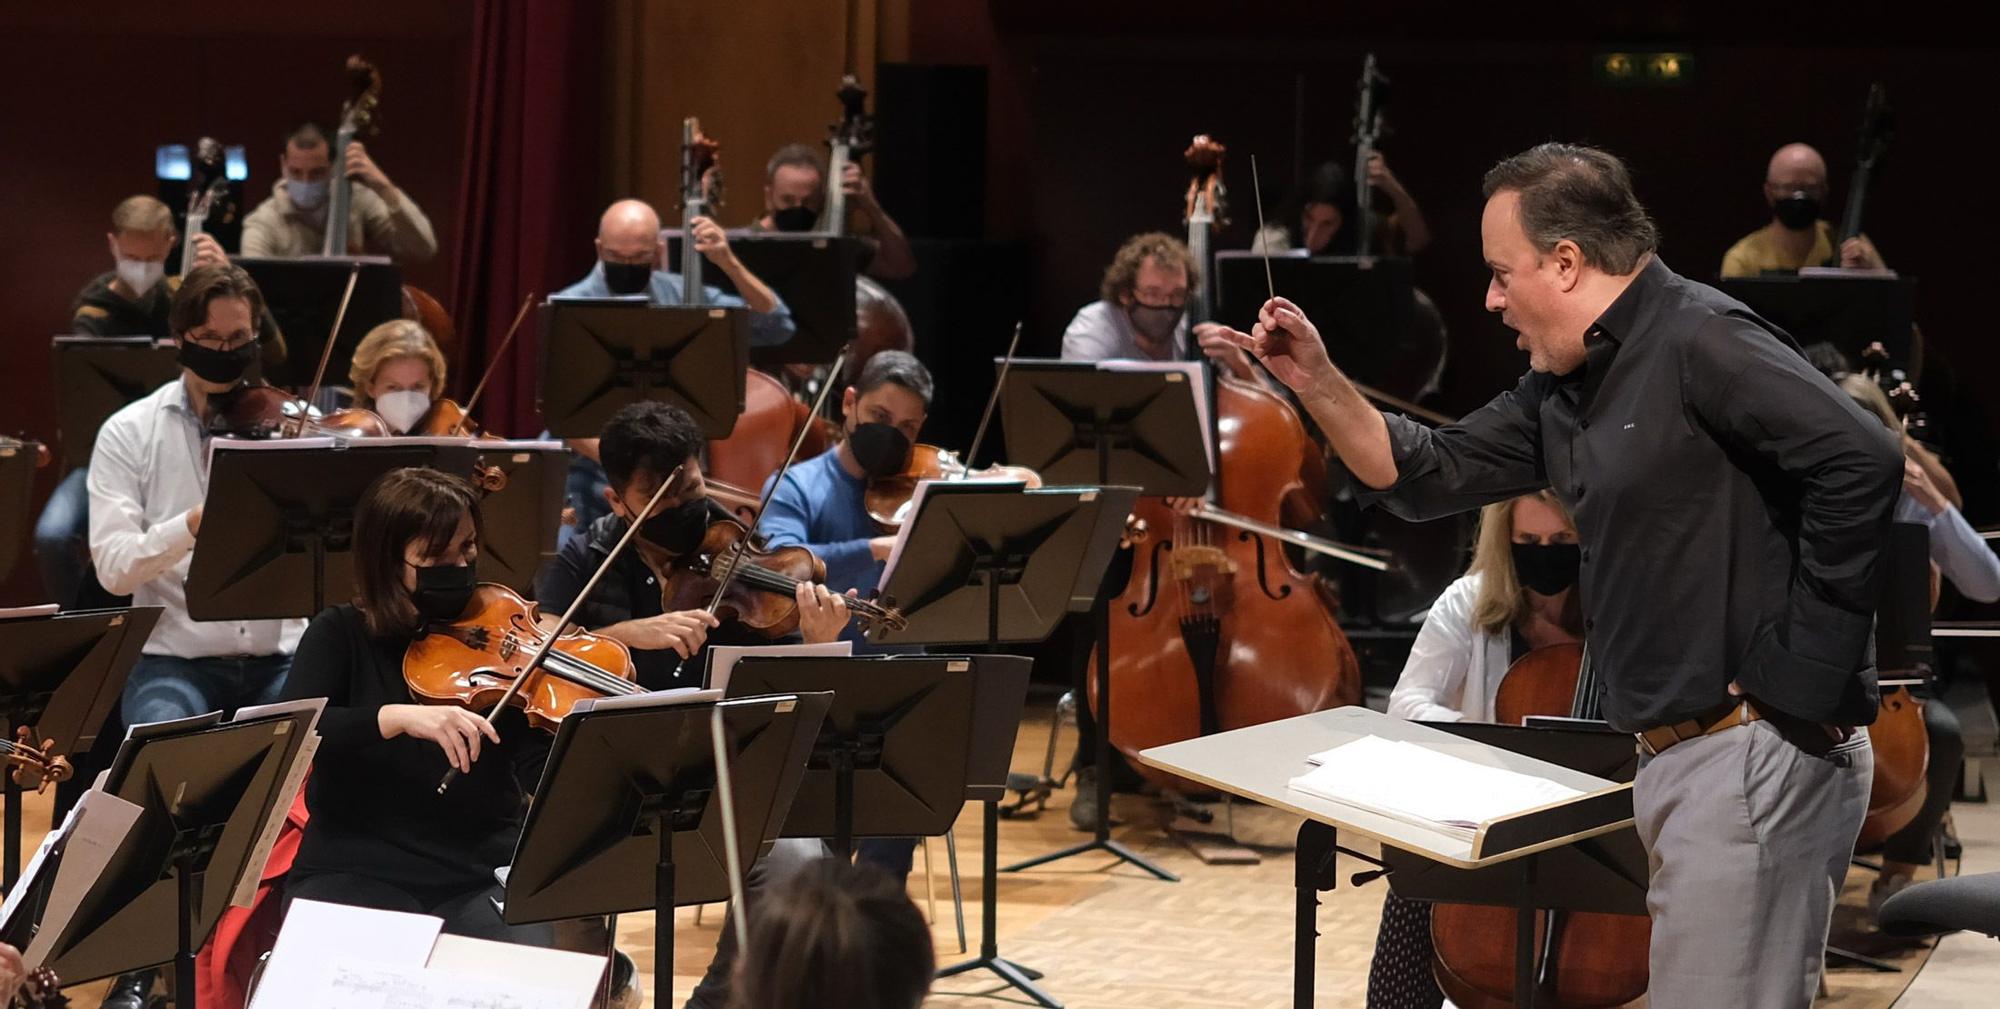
x,y
1597,960
1214,614
1902,756
771,418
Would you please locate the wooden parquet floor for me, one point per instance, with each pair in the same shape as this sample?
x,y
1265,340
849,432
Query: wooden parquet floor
x,y
1108,936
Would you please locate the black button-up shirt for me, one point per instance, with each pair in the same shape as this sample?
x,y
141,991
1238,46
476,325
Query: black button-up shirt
x,y
1730,502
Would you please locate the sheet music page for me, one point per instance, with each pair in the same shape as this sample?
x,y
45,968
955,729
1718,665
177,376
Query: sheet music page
x,y
1197,379
1415,783
722,659
347,983
90,836
315,933
574,975
37,610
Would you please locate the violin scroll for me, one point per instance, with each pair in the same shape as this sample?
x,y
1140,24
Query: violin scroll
x,y
34,767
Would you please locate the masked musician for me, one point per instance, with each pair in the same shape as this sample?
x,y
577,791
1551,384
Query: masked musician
x,y
1796,237
398,372
795,200
1730,504
383,220
1142,312
1517,596
1316,219
148,478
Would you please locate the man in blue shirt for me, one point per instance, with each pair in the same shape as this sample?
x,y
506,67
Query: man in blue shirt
x,y
631,261
821,505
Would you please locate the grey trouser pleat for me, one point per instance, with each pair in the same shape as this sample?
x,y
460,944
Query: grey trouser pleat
x,y
1748,838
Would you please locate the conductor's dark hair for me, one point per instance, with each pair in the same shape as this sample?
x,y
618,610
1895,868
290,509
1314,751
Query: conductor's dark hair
x,y
306,136
404,506
835,936
898,368
1582,194
648,437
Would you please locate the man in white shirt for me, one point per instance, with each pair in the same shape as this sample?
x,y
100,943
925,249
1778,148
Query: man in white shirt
x,y
148,478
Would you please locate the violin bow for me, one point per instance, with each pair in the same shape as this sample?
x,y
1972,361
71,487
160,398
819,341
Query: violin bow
x,y
979,434
1375,394
727,566
549,639
465,415
326,352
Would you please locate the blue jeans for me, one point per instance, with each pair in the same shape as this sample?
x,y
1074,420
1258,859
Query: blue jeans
x,y
166,687
584,494
62,541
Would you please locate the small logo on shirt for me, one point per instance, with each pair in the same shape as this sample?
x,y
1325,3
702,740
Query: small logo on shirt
x,y
1630,426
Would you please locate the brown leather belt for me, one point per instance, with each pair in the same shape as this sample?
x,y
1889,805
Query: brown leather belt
x,y
1656,740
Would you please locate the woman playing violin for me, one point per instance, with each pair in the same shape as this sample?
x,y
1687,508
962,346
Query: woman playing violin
x,y
380,835
398,372
1518,595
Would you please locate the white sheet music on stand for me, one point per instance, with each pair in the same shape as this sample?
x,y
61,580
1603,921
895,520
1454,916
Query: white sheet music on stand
x,y
1416,783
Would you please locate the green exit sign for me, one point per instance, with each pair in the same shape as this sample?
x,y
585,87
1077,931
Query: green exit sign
x,y
1644,69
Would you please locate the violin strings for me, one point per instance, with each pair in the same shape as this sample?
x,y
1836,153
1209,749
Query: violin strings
x,y
580,672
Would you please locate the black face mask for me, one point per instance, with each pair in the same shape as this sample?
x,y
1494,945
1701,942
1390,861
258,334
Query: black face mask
x,y
1547,568
627,278
1797,211
443,592
800,218
1156,321
222,367
879,448
678,530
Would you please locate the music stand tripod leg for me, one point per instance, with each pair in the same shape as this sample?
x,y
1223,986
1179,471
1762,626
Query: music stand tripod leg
x,y
1014,975
663,914
1101,832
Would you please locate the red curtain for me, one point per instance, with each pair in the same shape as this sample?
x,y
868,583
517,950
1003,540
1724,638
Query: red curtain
x,y
529,193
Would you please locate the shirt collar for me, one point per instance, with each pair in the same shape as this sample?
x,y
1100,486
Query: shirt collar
x,y
1633,307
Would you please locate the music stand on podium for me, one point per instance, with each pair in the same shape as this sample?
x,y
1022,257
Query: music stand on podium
x,y
602,354
206,790
289,508
993,562
627,816
1259,762
1082,423
96,376
60,676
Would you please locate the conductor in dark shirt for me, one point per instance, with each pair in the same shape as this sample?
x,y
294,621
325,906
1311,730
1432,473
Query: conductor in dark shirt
x,y
1730,502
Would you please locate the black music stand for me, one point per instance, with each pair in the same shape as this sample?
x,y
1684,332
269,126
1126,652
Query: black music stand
x,y
1605,874
96,376
17,501
522,517
1850,310
61,676
896,745
303,295
1080,423
1361,304
992,563
601,354
206,789
289,509
628,795
813,274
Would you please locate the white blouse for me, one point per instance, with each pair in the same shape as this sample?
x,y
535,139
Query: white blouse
x,y
1454,667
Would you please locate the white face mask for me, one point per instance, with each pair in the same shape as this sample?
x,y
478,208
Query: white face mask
x,y
140,274
403,408
305,195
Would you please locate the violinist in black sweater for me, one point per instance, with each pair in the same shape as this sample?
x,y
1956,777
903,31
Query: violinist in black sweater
x,y
380,835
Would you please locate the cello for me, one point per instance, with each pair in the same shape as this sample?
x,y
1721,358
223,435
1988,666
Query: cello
x,y
1585,960
1216,629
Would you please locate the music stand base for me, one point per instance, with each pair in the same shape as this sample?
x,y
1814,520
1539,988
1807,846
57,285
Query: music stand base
x,y
1020,978
1852,958
1117,849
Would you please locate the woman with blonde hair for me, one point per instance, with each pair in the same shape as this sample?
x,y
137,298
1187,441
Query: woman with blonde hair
x,y
1518,595
398,372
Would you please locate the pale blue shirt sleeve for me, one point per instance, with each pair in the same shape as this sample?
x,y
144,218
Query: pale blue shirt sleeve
x,y
1957,549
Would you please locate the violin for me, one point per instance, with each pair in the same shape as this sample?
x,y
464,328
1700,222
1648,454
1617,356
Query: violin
x,y
888,497
10,447
266,411
488,655
33,767
1585,960
736,578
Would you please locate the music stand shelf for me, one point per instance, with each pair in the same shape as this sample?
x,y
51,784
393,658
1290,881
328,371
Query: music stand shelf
x,y
1258,762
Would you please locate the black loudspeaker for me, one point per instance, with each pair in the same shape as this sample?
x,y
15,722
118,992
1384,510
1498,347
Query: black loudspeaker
x,y
930,148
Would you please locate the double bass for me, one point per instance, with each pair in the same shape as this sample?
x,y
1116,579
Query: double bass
x,y
1584,960
1216,629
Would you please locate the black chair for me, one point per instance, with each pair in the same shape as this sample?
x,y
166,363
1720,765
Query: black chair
x,y
1968,903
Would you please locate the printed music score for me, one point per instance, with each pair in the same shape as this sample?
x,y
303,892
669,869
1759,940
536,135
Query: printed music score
x,y
1419,785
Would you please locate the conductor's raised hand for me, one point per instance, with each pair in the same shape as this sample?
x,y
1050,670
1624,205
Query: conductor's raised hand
x,y
1288,344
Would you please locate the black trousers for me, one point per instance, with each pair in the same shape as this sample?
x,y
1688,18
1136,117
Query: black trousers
x,y
467,911
1912,844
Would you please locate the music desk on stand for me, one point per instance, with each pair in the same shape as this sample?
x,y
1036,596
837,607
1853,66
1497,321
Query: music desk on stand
x,y
1258,763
